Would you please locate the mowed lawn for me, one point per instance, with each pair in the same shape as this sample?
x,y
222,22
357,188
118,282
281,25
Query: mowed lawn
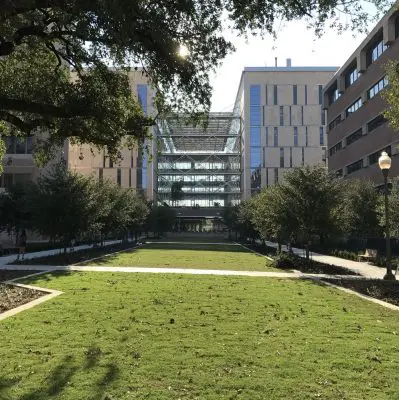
x,y
147,336
189,255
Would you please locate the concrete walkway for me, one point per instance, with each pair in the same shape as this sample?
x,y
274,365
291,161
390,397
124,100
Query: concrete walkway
x,y
4,260
364,269
155,270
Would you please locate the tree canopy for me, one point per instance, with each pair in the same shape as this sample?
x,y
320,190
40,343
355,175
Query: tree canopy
x,y
41,41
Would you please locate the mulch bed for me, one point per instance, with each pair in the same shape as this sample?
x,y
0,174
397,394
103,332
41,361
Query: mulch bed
x,y
298,263
75,257
6,275
379,289
14,296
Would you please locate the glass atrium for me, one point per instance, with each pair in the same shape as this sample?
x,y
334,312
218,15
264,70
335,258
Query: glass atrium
x,y
205,157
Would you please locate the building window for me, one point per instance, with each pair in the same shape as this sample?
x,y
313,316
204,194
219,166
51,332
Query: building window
x,y
296,136
323,117
354,167
275,176
351,77
130,177
255,180
18,145
111,163
266,95
306,137
142,95
376,122
339,173
334,95
290,110
281,115
290,157
354,137
321,136
119,176
303,156
306,94
281,157
320,94
267,136
335,122
275,99
397,27
275,136
377,88
264,158
302,116
375,52
295,94
373,158
335,148
354,107
255,157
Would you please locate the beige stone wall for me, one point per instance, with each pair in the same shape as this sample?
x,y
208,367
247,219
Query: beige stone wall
x,y
306,114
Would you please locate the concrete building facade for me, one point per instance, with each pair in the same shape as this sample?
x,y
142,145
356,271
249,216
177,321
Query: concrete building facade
x,y
357,129
283,122
133,170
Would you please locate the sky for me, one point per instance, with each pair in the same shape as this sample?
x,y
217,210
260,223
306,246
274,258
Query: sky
x,y
294,41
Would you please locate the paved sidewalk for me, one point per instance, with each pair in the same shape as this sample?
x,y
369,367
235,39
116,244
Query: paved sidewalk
x,y
364,269
4,260
154,270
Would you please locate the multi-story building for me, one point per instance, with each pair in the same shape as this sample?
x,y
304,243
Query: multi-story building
x,y
357,129
205,159
284,124
132,171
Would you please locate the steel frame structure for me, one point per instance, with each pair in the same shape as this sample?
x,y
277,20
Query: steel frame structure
x,y
206,157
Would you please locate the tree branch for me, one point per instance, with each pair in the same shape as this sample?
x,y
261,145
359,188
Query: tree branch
x,y
48,110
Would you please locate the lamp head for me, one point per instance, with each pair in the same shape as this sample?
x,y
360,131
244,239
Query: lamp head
x,y
384,161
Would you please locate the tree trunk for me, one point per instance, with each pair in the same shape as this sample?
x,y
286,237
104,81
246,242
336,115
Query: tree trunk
x,y
278,248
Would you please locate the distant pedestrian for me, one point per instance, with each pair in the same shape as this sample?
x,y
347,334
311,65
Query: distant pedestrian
x,y
22,244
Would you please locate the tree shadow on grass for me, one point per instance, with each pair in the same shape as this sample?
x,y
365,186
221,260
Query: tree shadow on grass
x,y
60,377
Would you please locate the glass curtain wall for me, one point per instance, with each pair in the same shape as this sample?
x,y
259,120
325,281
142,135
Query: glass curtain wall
x,y
204,158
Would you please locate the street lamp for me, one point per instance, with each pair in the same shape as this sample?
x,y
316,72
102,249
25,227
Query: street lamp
x,y
385,164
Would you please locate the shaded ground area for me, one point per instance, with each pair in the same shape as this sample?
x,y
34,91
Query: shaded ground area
x,y
6,275
13,296
74,257
189,255
379,289
198,337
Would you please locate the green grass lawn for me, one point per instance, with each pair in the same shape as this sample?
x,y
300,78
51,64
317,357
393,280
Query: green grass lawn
x,y
147,336
189,255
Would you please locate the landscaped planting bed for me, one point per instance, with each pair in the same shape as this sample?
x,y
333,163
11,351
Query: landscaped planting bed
x,y
76,256
13,296
168,337
6,275
379,289
292,261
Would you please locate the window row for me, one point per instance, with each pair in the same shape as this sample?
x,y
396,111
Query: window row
x,y
255,137
18,145
8,180
377,88
371,159
354,106
197,165
255,97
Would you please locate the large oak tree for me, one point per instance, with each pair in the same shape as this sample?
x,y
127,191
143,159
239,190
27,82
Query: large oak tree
x,y
42,40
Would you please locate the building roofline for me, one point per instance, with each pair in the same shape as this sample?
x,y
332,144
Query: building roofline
x,y
280,69
291,69
362,45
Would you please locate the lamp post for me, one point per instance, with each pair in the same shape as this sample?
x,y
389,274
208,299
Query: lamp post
x,y
385,164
